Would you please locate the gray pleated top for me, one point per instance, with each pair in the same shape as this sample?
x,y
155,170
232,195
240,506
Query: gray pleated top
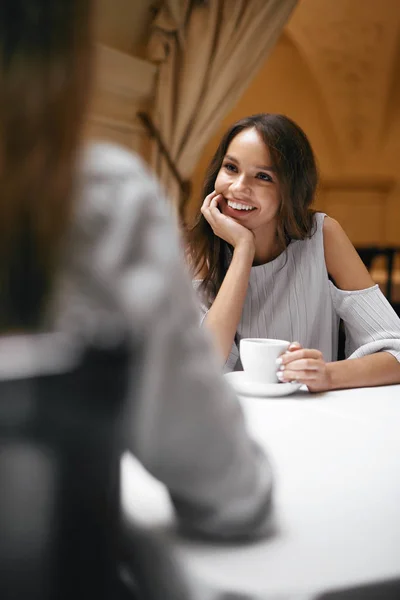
x,y
292,298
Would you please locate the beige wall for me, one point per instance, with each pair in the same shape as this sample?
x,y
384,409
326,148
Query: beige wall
x,y
124,80
336,71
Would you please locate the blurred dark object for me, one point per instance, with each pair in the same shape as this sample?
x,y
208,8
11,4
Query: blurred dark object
x,y
341,342
149,567
61,531
59,479
369,254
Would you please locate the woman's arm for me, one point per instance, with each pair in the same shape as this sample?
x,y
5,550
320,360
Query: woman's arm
x,y
349,273
224,315
342,260
375,369
372,326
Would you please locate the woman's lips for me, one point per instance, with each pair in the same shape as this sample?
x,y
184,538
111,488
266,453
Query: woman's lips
x,y
237,212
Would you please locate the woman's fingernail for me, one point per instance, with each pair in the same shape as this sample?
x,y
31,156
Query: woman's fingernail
x,y
280,375
279,361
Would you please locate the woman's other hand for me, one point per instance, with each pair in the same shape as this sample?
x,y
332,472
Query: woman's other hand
x,y
306,366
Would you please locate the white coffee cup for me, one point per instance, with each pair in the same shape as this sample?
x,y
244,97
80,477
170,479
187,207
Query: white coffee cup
x,y
258,356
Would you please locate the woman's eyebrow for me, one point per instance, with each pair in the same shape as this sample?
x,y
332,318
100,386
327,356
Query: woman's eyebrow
x,y
266,168
263,167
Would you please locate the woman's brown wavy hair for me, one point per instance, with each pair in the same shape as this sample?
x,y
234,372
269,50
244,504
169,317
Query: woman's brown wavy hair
x,y
45,71
294,161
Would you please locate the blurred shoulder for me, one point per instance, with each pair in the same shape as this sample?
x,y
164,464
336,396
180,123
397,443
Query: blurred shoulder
x,y
104,159
113,181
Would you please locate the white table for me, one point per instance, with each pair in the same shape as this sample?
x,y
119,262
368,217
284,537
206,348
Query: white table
x,y
336,458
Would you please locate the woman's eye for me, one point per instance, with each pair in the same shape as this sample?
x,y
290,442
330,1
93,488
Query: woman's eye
x,y
264,177
230,167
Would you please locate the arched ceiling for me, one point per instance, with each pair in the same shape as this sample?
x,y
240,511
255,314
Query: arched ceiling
x,y
352,48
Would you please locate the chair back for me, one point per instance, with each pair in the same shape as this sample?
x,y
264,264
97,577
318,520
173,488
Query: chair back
x,y
368,255
59,470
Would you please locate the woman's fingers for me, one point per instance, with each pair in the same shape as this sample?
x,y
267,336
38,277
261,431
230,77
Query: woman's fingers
x,y
214,209
207,200
295,355
294,346
304,364
300,364
214,201
206,208
210,205
213,204
212,213
300,376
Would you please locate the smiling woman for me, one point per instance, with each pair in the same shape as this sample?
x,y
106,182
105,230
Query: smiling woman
x,y
265,160
262,261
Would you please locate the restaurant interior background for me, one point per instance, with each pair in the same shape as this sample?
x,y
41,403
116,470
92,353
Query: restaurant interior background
x,y
335,69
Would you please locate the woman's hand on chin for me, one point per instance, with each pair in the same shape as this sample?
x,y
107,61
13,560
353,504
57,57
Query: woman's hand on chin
x,y
223,226
306,366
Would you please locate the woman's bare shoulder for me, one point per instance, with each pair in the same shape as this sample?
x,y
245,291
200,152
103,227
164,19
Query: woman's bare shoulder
x,y
342,260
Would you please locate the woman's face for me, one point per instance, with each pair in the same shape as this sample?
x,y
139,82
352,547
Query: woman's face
x,y
248,182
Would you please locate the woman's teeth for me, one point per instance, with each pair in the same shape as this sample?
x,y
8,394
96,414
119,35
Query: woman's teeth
x,y
238,206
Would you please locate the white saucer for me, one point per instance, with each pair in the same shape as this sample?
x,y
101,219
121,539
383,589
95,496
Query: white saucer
x,y
245,386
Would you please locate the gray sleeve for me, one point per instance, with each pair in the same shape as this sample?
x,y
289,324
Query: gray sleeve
x,y
371,324
233,357
124,274
185,424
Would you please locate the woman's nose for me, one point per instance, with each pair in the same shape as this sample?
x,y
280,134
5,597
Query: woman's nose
x,y
240,183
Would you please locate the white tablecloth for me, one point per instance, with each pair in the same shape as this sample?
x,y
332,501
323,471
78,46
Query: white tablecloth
x,y
336,458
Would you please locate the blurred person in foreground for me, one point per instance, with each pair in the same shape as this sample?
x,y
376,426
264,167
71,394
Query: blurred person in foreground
x,y
87,248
